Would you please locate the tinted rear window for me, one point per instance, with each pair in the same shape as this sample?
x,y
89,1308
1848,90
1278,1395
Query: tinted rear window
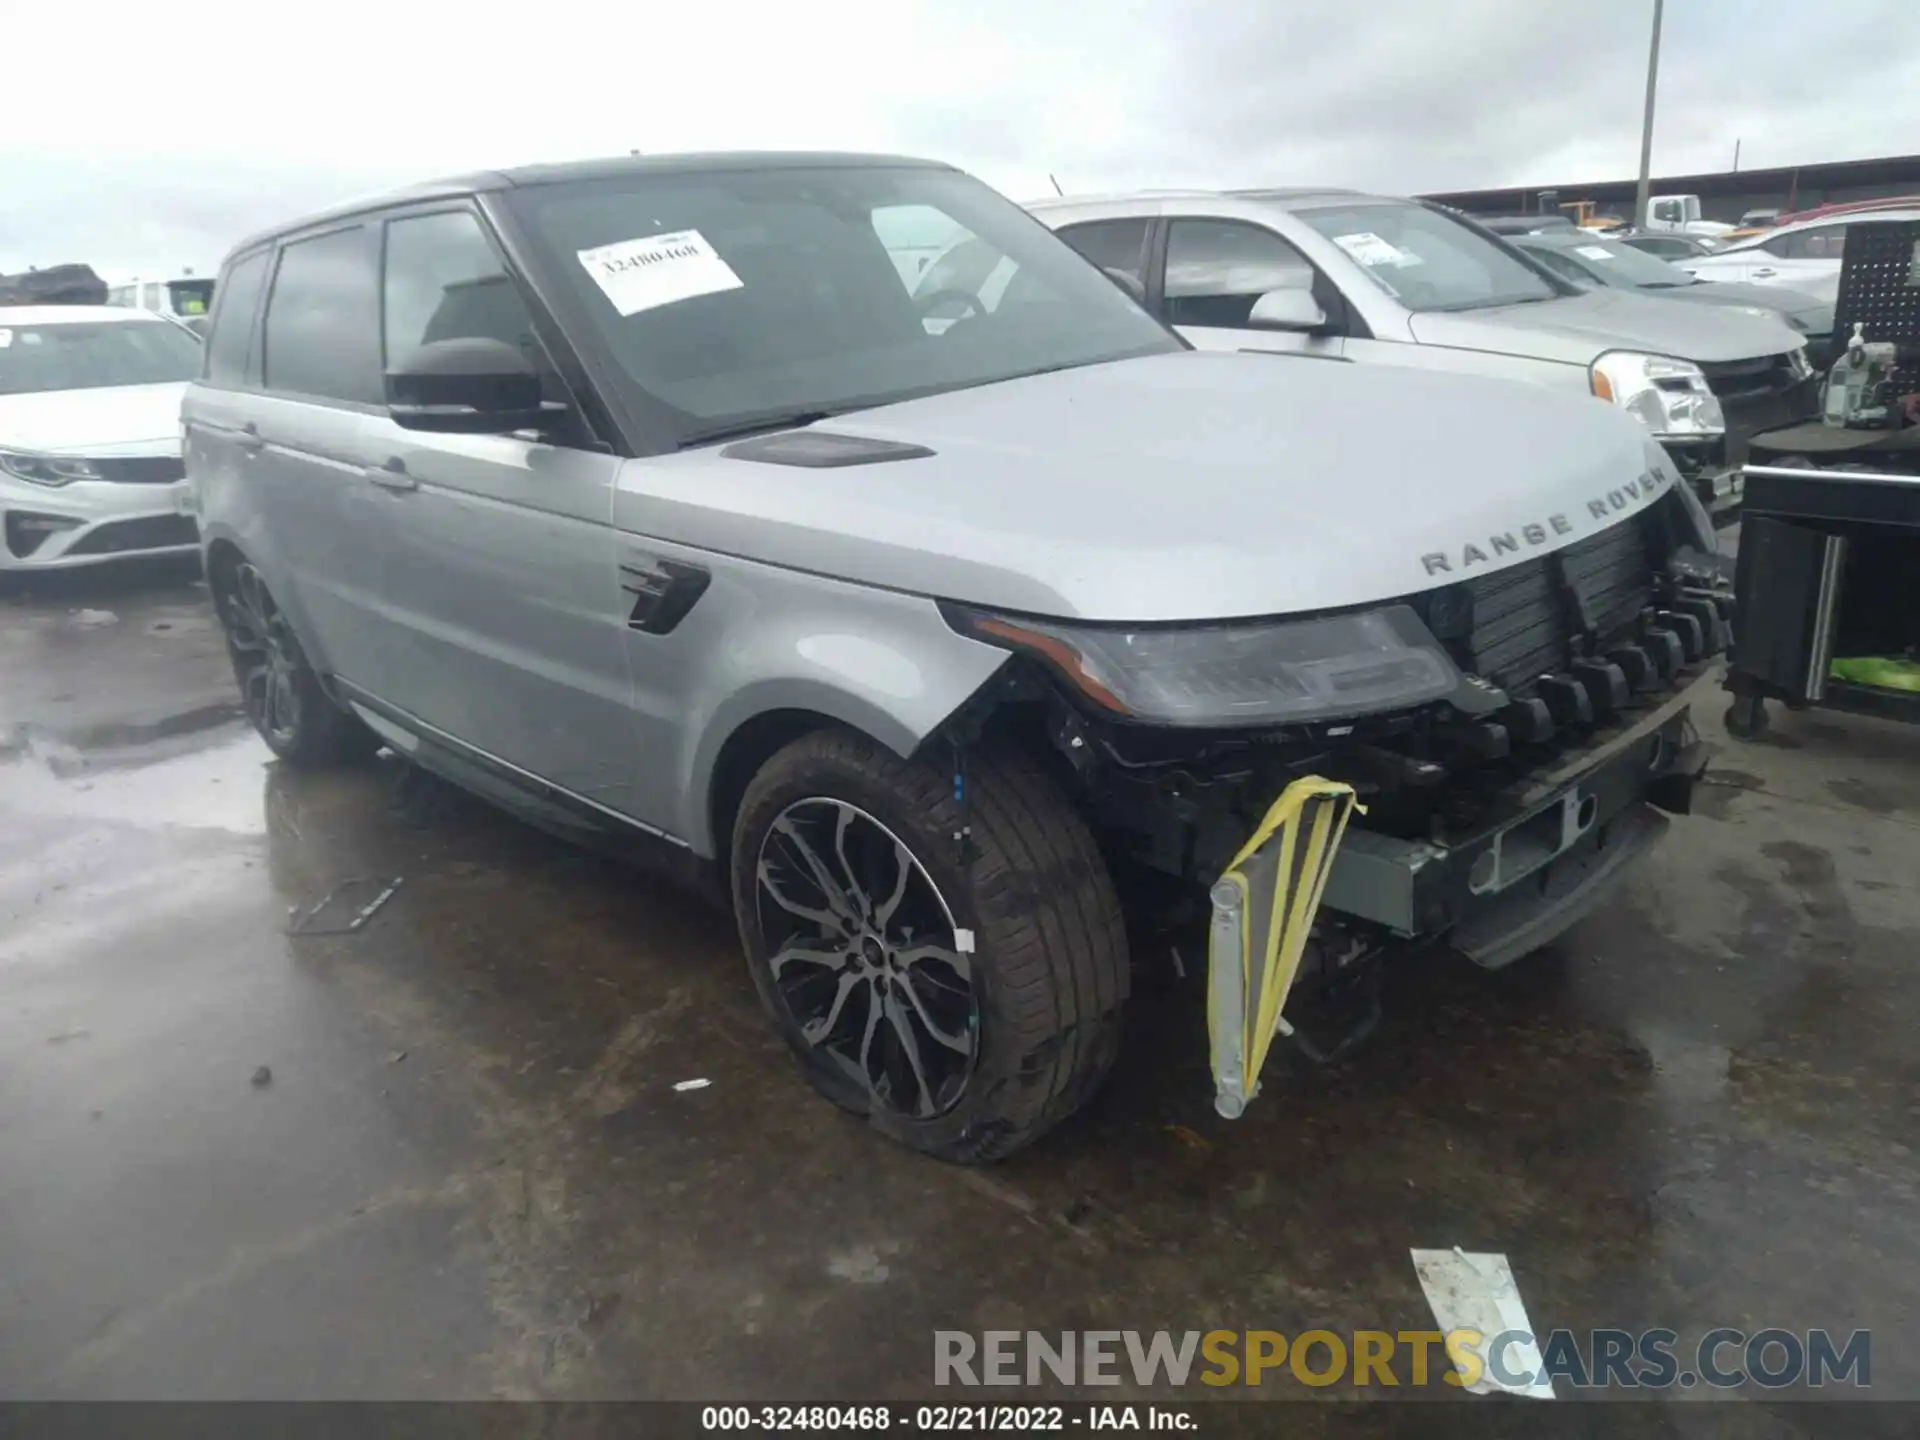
x,y
233,321
1112,244
323,319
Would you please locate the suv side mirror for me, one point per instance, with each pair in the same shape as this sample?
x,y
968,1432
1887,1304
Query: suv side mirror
x,y
469,386
1290,309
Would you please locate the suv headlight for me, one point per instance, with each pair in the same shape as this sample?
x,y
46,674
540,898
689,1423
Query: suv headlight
x,y
46,469
1704,536
1263,672
1668,396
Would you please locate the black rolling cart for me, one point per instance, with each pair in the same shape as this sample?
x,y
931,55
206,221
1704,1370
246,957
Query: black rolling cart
x,y
1829,564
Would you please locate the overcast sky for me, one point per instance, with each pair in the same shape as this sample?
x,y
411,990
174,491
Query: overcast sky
x,y
142,150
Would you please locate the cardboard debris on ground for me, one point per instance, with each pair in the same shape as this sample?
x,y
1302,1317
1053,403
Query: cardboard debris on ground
x,y
1476,1291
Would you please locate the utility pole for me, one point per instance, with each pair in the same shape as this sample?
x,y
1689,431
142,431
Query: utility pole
x,y
1736,154
1646,125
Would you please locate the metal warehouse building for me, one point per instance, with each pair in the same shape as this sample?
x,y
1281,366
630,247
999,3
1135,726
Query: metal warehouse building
x,y
1724,195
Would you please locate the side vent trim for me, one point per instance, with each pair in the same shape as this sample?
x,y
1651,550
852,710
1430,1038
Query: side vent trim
x,y
663,592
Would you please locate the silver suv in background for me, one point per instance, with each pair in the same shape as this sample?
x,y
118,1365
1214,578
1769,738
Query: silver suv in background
x,y
691,506
1600,260
1340,275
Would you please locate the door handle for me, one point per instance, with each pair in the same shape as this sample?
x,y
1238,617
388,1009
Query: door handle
x,y
250,439
1765,270
393,475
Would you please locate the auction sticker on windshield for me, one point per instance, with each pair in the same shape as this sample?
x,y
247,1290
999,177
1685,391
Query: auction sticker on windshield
x,y
1593,252
658,270
1369,249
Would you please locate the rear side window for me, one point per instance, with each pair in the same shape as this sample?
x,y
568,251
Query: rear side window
x,y
323,326
233,321
1823,242
1112,245
444,282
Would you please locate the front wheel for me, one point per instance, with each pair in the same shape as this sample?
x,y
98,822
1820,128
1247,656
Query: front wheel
x,y
278,689
1746,717
962,993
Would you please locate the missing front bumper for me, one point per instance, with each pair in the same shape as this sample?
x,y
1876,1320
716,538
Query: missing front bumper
x,y
1565,842
1533,914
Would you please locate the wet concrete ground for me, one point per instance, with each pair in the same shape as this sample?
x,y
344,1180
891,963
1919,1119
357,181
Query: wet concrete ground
x,y
469,1174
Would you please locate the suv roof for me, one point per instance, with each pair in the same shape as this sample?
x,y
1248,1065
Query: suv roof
x,y
554,173
1061,202
1289,194
1856,217
1280,196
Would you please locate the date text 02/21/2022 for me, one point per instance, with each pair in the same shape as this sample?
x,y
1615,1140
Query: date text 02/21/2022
x,y
943,1419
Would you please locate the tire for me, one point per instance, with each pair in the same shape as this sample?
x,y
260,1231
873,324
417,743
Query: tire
x,y
282,696
1045,982
1747,718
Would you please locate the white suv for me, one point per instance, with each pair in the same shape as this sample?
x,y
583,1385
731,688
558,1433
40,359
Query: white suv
x,y
1804,257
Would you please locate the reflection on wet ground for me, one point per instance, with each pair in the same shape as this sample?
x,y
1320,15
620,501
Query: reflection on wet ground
x,y
466,1170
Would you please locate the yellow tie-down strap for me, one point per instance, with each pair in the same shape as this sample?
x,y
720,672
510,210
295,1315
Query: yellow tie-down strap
x,y
1263,909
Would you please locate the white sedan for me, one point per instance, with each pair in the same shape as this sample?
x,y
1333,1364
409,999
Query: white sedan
x,y
1804,257
90,466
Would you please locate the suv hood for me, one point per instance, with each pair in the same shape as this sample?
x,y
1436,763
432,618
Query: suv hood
x,y
1808,309
1578,329
1199,485
134,419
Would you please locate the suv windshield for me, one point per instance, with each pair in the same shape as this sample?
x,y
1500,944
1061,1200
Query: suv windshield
x,y
733,299
93,355
1428,261
1611,263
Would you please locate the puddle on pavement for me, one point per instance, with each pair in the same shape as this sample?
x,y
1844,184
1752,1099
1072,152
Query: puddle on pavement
x,y
1690,1072
210,780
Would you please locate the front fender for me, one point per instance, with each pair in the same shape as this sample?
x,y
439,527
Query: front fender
x,y
767,640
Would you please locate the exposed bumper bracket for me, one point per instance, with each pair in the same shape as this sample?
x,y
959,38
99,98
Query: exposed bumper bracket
x,y
1521,922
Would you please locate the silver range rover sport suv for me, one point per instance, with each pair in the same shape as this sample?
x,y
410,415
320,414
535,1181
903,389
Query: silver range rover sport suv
x,y
682,504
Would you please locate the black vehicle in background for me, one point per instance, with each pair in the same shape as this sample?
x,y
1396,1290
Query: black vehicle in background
x,y
55,285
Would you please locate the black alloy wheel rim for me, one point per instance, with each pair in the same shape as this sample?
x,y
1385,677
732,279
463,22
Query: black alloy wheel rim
x,y
266,658
865,956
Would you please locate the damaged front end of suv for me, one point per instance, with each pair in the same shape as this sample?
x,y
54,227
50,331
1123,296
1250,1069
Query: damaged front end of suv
x,y
1497,750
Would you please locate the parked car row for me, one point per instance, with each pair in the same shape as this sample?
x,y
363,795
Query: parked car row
x,y
1342,275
